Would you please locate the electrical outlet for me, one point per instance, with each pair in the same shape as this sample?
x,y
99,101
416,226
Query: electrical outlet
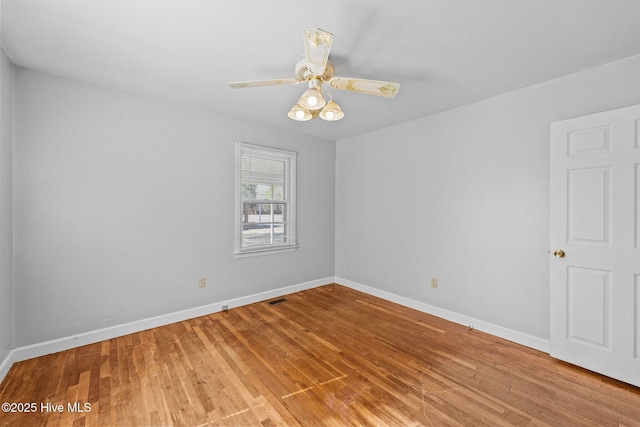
x,y
202,283
434,282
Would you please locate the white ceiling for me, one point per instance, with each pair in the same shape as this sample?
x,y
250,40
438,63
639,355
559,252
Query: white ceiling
x,y
444,53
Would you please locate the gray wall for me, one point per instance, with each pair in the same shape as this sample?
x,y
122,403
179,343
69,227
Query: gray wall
x,y
464,196
122,203
6,208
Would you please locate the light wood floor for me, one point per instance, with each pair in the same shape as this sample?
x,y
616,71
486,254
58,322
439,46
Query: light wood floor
x,y
325,356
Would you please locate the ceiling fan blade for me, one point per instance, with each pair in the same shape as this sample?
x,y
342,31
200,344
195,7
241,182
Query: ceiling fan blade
x,y
317,44
369,87
257,83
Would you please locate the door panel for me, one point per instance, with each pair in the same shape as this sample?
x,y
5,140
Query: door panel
x,y
637,316
595,220
637,207
588,306
589,207
589,141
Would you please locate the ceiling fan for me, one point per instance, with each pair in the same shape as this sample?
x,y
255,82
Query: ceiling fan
x,y
316,69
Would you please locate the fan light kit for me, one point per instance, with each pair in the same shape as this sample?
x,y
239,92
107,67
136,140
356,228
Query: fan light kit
x,y
316,69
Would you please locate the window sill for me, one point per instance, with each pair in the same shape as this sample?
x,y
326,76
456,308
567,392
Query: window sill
x,y
246,253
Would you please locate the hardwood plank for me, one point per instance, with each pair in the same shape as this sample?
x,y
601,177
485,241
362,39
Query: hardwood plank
x,y
326,356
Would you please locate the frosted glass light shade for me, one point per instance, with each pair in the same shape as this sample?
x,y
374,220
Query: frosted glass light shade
x,y
331,112
312,100
300,114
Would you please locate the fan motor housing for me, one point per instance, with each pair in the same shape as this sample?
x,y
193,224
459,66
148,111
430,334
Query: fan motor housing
x,y
304,73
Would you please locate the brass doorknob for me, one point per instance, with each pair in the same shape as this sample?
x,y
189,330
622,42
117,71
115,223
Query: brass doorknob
x,y
559,253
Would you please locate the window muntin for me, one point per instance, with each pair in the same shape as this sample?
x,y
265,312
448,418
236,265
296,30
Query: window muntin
x,y
266,205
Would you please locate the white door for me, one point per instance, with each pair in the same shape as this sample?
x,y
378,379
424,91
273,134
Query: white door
x,y
595,222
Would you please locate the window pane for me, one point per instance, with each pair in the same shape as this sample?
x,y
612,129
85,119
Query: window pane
x,y
264,234
257,214
263,191
249,191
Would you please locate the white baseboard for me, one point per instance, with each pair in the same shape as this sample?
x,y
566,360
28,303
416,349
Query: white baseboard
x,y
5,365
498,331
66,343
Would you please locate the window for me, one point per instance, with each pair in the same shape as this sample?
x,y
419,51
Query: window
x,y
265,207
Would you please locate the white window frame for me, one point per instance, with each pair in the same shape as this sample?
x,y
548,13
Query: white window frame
x,y
289,157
